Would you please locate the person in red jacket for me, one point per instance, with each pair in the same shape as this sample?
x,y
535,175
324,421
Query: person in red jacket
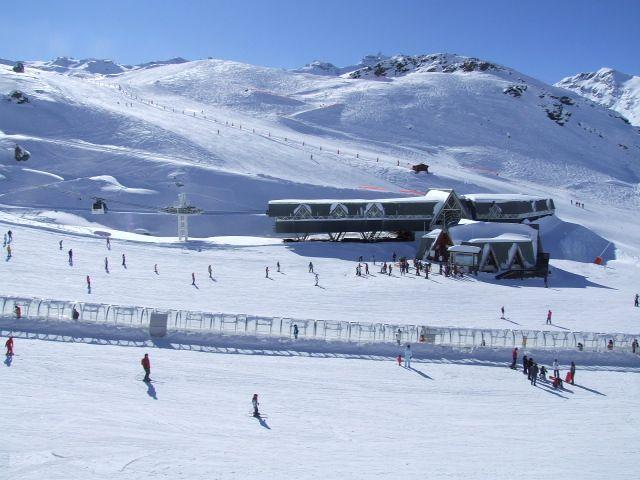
x,y
514,358
9,345
146,364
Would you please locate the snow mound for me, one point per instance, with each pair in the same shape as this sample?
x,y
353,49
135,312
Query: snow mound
x,y
110,184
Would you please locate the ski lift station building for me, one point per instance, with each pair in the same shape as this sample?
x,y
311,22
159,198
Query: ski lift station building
x,y
438,208
491,222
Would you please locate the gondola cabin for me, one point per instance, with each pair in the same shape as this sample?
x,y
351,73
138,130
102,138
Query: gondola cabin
x,y
99,207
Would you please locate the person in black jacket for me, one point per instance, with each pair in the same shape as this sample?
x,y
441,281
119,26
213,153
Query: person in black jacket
x,y
525,364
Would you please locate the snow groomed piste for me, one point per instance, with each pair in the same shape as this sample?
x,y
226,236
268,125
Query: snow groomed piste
x,y
320,346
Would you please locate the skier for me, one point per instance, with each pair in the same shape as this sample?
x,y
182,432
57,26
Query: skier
x,y
399,360
572,370
310,267
89,283
399,337
70,253
278,266
106,264
525,364
254,402
366,269
637,301
60,244
634,345
155,268
394,257
543,373
514,358
75,314
210,272
146,364
193,278
108,244
295,331
9,345
549,313
266,272
502,312
407,356
390,267
534,374
316,280
10,235
124,261
9,255
556,368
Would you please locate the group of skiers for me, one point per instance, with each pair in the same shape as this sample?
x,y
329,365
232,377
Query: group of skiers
x,y
535,371
8,240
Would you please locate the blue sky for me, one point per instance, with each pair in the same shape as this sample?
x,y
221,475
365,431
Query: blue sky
x,y
546,39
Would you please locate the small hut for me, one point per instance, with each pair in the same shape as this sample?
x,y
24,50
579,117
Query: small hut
x,y
420,167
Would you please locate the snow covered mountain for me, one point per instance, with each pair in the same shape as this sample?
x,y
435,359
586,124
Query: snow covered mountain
x,y
611,88
234,136
93,66
319,67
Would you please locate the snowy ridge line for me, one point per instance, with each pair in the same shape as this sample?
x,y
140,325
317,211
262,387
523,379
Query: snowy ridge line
x,y
286,141
224,324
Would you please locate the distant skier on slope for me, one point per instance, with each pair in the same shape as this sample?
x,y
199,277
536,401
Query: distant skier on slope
x,y
502,312
255,403
155,268
108,244
70,253
266,272
106,264
572,372
316,280
9,345
525,364
637,301
193,278
549,314
9,254
556,368
146,365
124,261
89,283
310,267
60,244
278,266
210,272
407,356
514,358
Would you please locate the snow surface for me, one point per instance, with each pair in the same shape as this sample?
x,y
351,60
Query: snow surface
x,y
611,88
583,296
79,411
234,136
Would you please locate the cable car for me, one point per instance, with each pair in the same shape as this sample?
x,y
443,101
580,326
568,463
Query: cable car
x,y
99,207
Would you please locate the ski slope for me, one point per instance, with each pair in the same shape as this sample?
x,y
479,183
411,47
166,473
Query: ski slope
x,y
583,296
79,411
